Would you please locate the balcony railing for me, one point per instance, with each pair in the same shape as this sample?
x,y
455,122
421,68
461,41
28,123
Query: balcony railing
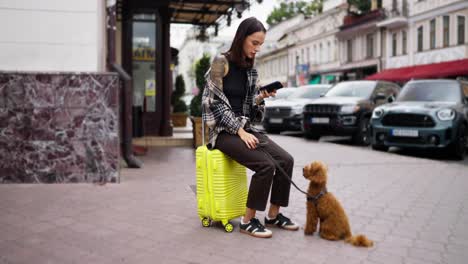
x,y
352,20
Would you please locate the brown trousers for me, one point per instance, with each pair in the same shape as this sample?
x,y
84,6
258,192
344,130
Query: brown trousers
x,y
266,175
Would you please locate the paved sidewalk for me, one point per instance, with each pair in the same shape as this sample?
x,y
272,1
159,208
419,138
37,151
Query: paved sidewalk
x,y
415,209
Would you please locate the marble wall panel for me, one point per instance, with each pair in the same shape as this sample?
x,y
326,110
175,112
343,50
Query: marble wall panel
x,y
11,170
3,84
12,124
73,92
59,128
39,90
69,124
14,91
39,124
100,122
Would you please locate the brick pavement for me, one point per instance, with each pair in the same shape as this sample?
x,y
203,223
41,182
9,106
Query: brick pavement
x,y
415,209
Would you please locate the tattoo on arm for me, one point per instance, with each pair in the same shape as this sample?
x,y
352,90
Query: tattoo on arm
x,y
217,71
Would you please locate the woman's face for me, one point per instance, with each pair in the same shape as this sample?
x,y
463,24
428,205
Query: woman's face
x,y
252,44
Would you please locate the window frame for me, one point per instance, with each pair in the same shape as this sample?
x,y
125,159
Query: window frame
x,y
445,31
404,40
420,38
432,34
461,38
370,46
349,49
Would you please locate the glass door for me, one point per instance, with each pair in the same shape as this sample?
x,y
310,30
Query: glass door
x,y
143,69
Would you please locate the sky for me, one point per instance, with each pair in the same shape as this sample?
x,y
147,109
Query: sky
x,y
260,11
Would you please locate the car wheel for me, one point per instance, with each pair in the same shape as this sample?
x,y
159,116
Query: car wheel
x,y
362,136
311,135
458,149
379,147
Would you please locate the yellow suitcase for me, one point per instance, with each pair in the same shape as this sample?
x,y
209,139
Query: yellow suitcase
x,y
221,187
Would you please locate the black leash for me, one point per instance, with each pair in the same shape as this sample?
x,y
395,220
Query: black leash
x,y
261,146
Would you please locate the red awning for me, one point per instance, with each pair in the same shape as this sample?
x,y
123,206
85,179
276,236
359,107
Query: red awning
x,y
425,71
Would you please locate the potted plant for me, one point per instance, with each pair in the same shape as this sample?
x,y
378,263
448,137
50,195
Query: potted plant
x,y
201,67
179,111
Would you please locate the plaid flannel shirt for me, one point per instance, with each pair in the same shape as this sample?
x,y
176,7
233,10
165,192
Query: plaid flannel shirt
x,y
217,112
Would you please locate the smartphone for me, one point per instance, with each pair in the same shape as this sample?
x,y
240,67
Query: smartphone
x,y
272,86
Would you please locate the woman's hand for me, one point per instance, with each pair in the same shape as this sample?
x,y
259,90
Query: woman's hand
x,y
250,140
265,94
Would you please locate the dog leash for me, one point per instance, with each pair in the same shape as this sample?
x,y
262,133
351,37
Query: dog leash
x,y
314,199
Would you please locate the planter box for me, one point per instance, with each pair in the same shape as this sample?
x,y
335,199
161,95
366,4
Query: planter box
x,y
197,131
179,119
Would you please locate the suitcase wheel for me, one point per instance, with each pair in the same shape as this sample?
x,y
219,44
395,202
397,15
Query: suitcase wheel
x,y
228,227
206,222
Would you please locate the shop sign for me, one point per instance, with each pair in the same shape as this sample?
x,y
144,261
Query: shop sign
x,y
302,74
144,54
150,88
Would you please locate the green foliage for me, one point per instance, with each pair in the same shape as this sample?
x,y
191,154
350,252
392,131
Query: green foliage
x,y
362,6
176,101
201,67
195,106
180,107
291,9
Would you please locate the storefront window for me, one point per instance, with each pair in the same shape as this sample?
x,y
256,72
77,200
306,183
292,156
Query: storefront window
x,y
144,62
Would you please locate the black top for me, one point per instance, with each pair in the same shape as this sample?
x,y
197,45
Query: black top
x,y
235,87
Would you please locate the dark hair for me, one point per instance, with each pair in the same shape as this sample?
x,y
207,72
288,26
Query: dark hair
x,y
246,28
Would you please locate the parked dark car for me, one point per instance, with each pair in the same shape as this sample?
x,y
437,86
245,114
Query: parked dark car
x,y
426,114
345,110
286,114
280,94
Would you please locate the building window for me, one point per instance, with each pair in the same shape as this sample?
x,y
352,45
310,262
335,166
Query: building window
x,y
446,25
321,53
432,34
370,46
308,55
394,44
461,29
314,54
404,42
420,38
336,49
330,52
350,50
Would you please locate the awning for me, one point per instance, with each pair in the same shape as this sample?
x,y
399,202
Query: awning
x,y
204,12
425,71
195,12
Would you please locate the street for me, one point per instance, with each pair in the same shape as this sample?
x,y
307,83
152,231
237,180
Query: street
x,y
415,208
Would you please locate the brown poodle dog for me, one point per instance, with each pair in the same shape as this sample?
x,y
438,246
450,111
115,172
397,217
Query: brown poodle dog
x,y
323,206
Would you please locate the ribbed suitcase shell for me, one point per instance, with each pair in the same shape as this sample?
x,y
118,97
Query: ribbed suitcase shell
x,y
221,187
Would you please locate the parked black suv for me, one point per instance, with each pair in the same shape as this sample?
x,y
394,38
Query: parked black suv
x,y
286,114
345,110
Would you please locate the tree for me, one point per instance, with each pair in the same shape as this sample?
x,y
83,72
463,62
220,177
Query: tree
x,y
176,99
359,6
291,9
201,67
